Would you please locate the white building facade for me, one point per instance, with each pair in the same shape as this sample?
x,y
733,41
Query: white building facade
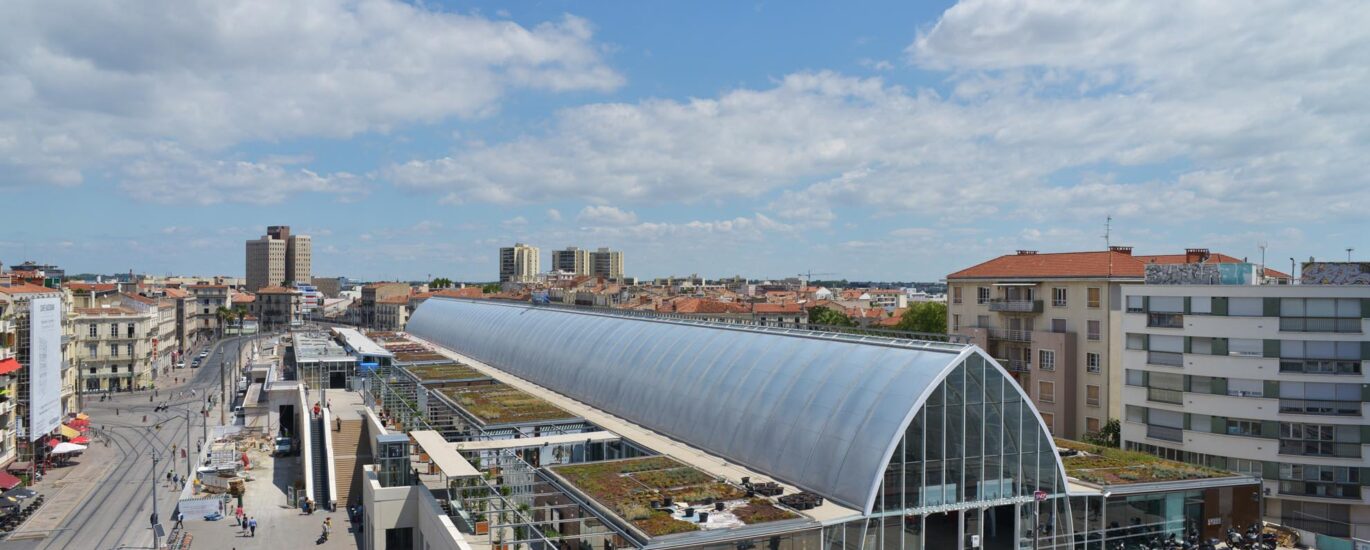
x,y
1269,380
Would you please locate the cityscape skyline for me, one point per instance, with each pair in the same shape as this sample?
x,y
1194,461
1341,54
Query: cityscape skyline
x,y
909,132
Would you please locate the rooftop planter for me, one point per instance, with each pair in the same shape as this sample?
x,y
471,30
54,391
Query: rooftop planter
x,y
503,404
1109,466
760,510
451,371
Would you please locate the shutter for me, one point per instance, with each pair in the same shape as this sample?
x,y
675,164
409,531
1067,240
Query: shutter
x,y
1146,304
1365,350
1187,421
1217,424
1365,477
1219,386
1365,308
1271,389
1271,307
1220,345
1220,305
1186,383
1272,348
1365,434
1270,429
1146,378
1365,393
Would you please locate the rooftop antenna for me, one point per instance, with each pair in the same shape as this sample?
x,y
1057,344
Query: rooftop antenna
x,y
1348,253
1261,245
1108,244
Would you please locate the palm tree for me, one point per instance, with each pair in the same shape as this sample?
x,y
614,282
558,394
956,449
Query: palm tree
x,y
224,314
241,311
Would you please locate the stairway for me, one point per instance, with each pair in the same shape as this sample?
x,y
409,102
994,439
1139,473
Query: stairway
x,y
319,462
348,457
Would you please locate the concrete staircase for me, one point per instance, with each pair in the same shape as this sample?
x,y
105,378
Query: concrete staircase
x,y
349,455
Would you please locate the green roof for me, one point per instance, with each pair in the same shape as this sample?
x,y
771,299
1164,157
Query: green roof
x,y
449,371
502,404
1110,466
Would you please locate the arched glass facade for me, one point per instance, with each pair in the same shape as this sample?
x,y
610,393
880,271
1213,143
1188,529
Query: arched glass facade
x,y
933,446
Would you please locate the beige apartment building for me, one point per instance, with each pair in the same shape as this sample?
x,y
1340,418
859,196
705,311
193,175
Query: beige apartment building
x,y
279,257
571,260
1051,320
204,307
114,347
374,293
519,264
14,333
164,342
607,263
278,307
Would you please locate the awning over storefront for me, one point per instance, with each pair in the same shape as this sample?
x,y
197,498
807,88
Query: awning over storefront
x,y
8,365
8,481
68,431
81,440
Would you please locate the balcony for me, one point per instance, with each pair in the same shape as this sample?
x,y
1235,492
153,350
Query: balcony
x,y
1319,366
1016,365
1300,447
1016,306
1010,334
1162,395
1164,432
1165,320
1320,407
1165,358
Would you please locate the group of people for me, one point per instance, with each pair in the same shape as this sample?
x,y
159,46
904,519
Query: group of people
x,y
248,523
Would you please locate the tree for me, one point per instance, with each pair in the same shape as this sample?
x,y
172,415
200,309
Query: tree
x,y
490,288
223,314
1107,436
441,282
823,316
924,317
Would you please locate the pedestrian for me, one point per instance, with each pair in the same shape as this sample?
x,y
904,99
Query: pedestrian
x,y
168,475
180,520
238,515
175,480
252,524
327,527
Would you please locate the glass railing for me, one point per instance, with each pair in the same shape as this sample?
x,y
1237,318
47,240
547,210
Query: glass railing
x,y
1167,358
1020,306
1164,432
1163,395
1320,407
1165,320
1319,448
1320,366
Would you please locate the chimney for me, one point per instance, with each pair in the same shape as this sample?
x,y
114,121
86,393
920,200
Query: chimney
x,y
1195,255
1121,249
1027,252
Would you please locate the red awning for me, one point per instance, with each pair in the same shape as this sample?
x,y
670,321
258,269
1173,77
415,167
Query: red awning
x,y
52,442
8,365
8,482
81,440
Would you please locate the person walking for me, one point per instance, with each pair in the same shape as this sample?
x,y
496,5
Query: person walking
x,y
180,520
238,515
252,524
327,527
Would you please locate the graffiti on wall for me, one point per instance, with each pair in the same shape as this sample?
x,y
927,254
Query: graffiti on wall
x,y
1335,273
1200,274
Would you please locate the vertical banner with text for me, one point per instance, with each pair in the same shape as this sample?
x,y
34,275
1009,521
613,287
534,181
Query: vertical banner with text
x,y
45,366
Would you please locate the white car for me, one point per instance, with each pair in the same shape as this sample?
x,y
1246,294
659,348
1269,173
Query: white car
x,y
181,365
204,354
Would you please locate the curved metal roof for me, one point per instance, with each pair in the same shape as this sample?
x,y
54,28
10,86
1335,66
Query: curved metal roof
x,y
821,413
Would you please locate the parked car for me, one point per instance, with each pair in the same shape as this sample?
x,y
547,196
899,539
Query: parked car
x,y
181,365
204,354
284,446
238,411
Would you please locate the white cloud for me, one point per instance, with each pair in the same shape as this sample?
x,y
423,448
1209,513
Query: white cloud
x,y
516,221
1177,109
756,228
171,175
605,215
554,214
84,85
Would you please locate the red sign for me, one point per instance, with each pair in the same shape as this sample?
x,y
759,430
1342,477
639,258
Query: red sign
x,y
1040,495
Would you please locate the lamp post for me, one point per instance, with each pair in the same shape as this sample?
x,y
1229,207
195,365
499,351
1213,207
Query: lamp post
x,y
152,487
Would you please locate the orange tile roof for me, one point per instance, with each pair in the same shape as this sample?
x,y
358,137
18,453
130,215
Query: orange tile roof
x,y
243,298
1079,264
26,288
699,305
100,311
96,287
140,298
276,290
175,292
792,307
468,292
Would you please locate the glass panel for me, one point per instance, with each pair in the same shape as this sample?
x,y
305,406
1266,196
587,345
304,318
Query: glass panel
x,y
1291,307
1245,307
1174,344
1201,305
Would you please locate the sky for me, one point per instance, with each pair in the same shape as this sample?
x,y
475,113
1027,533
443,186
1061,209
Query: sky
x,y
862,140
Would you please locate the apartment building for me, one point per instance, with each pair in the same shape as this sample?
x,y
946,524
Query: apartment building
x,y
571,260
518,264
114,347
164,348
14,321
206,299
607,263
278,307
374,293
1269,380
392,312
1050,320
278,257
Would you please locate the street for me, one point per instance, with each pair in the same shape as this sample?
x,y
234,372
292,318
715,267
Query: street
x,y
107,501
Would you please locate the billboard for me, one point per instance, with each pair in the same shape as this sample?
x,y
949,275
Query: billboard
x,y
45,366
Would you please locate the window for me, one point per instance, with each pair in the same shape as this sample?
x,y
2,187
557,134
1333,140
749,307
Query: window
x,y
956,295
1173,344
1136,304
1092,363
114,330
1246,307
1091,424
1092,297
130,350
114,350
1047,359
982,295
1245,387
1167,304
1046,392
1050,420
1201,305
93,350
982,321
1092,329
1058,325
1136,341
130,330
1134,413
1333,520
1320,440
1304,349
94,330
955,322
1320,398
1246,347
92,370
1136,377
1092,395
1201,345
1058,297
1237,426
1201,384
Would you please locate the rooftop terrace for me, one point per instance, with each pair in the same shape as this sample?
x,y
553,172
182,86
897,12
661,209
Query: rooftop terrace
x,y
1109,466
317,346
503,404
659,496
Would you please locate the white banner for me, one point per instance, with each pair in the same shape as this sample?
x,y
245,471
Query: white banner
x,y
45,366
198,508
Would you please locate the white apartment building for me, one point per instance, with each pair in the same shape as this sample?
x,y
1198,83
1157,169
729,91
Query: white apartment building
x,y
1263,379
572,260
114,347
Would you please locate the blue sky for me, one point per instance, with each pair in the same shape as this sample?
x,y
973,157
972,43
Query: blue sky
x,y
873,140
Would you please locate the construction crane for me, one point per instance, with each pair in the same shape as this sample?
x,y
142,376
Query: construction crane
x,y
807,277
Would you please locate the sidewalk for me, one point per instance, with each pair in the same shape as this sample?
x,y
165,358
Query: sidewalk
x,y
65,489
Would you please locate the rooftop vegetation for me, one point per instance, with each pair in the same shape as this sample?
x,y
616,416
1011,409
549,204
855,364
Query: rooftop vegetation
x,y
1109,466
450,371
503,404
